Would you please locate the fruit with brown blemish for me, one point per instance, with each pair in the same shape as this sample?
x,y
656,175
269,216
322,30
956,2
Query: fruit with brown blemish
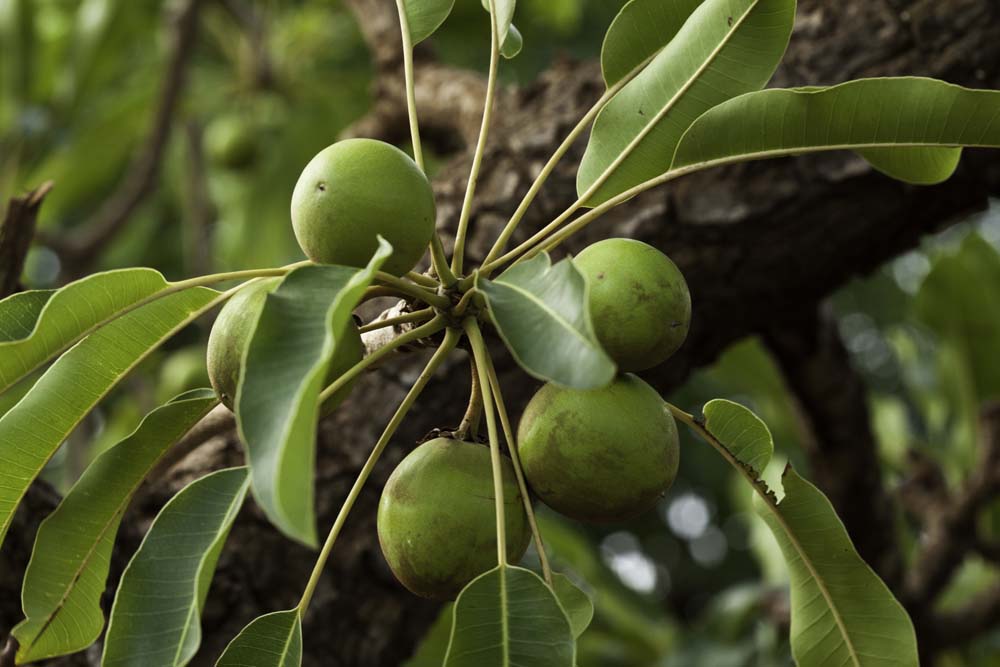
x,y
639,302
602,455
437,517
230,337
356,190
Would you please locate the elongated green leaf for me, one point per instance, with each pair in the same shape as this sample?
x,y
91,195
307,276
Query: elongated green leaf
x,y
512,44
638,32
36,326
842,613
272,640
892,121
578,606
726,48
426,16
508,617
155,619
542,314
32,430
742,432
286,365
69,564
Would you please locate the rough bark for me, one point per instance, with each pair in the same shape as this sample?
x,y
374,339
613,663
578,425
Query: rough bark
x,y
757,243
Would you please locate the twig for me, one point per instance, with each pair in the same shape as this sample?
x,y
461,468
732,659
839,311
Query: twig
x,y
16,232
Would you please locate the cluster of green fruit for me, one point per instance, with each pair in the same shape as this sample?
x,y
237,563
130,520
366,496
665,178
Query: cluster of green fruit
x,y
601,455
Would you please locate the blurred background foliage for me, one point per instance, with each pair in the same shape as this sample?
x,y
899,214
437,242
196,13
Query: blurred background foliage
x,y
697,582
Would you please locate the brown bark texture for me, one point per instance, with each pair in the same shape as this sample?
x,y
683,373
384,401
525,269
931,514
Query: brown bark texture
x,y
761,245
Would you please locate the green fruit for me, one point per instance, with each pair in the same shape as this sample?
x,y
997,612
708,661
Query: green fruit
x,y
601,455
355,190
231,142
437,517
231,334
639,302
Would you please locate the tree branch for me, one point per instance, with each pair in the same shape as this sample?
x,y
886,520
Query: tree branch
x,y
16,233
80,249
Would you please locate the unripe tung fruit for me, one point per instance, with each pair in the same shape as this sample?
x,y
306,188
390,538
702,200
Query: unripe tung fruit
x,y
437,517
231,334
602,455
355,190
231,142
639,301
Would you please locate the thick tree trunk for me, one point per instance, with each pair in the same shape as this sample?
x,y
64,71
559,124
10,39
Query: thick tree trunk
x,y
760,245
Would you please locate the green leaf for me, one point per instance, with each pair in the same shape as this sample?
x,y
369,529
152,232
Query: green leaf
x,y
36,326
897,117
155,619
426,16
743,433
66,576
726,48
277,403
512,44
578,606
32,430
542,314
842,613
508,617
638,32
272,640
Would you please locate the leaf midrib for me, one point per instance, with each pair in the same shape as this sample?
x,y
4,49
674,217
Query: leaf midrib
x,y
772,505
656,119
544,306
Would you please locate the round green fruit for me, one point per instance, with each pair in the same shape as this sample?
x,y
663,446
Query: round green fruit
x,y
231,335
355,190
602,455
231,142
437,517
639,302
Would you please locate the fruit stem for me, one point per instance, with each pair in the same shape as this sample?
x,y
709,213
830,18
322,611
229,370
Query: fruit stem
x,y
501,243
416,291
422,280
515,456
458,256
482,357
411,100
423,331
416,316
473,413
450,341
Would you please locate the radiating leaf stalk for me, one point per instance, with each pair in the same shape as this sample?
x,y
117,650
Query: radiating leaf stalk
x,y
458,256
405,318
424,331
411,100
65,579
447,347
481,355
515,457
416,291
